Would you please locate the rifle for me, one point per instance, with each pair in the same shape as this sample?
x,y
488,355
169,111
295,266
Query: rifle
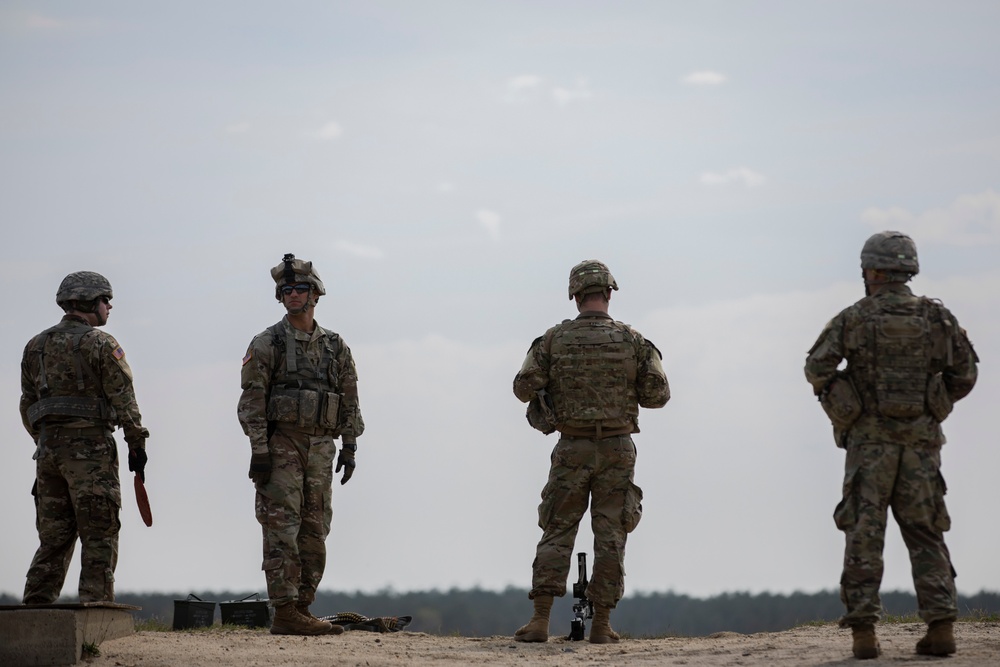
x,y
583,608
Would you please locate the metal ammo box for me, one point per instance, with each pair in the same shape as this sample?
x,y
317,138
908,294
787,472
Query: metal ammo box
x,y
193,613
252,613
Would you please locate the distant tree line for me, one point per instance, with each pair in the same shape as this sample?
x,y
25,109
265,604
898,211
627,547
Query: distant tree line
x,y
481,613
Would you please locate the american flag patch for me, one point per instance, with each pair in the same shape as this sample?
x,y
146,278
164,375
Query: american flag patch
x,y
248,357
119,353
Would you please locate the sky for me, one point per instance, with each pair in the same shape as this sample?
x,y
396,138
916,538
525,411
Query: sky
x,y
444,164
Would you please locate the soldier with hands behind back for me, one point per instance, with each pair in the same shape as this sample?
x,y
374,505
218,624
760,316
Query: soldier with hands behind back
x,y
587,378
908,362
76,387
300,392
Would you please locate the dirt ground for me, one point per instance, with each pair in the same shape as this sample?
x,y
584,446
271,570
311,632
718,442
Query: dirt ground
x,y
978,644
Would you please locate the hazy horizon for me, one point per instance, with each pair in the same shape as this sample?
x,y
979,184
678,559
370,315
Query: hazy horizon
x,y
444,164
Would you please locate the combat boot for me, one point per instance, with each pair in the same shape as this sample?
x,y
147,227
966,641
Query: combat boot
x,y
537,629
865,642
600,630
939,640
288,621
303,609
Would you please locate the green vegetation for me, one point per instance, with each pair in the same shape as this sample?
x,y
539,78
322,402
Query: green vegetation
x,y
480,613
91,650
151,624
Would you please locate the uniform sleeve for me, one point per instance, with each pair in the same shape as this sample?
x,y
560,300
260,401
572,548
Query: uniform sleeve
x,y
255,379
961,374
116,380
825,355
651,384
351,425
534,373
28,393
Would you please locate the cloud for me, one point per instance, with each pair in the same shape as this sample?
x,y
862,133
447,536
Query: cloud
x,y
747,177
330,131
521,88
358,250
523,81
704,78
970,220
490,220
238,128
564,96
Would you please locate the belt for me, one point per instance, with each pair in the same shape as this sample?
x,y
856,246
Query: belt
x,y
596,433
49,431
308,430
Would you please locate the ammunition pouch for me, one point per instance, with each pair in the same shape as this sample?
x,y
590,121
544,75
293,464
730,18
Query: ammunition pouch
x,y
70,406
539,414
306,408
632,511
841,402
939,403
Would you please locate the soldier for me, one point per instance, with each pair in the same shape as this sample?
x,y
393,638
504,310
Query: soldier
x,y
300,392
587,379
75,388
908,361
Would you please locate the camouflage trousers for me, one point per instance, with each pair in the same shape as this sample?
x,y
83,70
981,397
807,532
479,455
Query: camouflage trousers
x,y
907,479
598,472
294,510
77,495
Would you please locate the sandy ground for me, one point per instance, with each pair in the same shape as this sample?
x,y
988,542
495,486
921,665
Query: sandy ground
x,y
978,644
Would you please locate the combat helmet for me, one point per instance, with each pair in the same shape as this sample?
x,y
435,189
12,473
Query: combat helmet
x,y
590,276
292,271
83,286
892,252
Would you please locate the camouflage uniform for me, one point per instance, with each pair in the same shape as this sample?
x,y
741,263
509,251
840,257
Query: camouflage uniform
x,y
75,388
908,361
597,372
299,394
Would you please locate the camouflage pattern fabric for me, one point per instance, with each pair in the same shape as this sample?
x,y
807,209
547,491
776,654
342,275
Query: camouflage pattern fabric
x,y
893,461
613,348
294,510
847,336
264,360
77,496
594,460
907,479
110,377
294,506
598,473
77,492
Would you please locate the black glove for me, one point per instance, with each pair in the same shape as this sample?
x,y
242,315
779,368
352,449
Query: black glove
x,y
137,462
346,461
260,468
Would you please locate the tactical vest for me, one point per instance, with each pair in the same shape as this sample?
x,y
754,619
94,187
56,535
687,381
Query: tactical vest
x,y
303,394
894,350
62,397
592,374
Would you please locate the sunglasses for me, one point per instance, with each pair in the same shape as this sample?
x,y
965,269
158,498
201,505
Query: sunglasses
x,y
301,288
105,299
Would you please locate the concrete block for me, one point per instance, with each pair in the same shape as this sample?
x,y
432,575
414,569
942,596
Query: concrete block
x,y
55,634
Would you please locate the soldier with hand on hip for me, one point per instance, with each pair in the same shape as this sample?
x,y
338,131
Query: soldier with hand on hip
x,y
587,378
300,392
76,387
908,362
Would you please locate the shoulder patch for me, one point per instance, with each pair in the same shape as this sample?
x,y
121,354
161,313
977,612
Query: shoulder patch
x,y
248,357
119,353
